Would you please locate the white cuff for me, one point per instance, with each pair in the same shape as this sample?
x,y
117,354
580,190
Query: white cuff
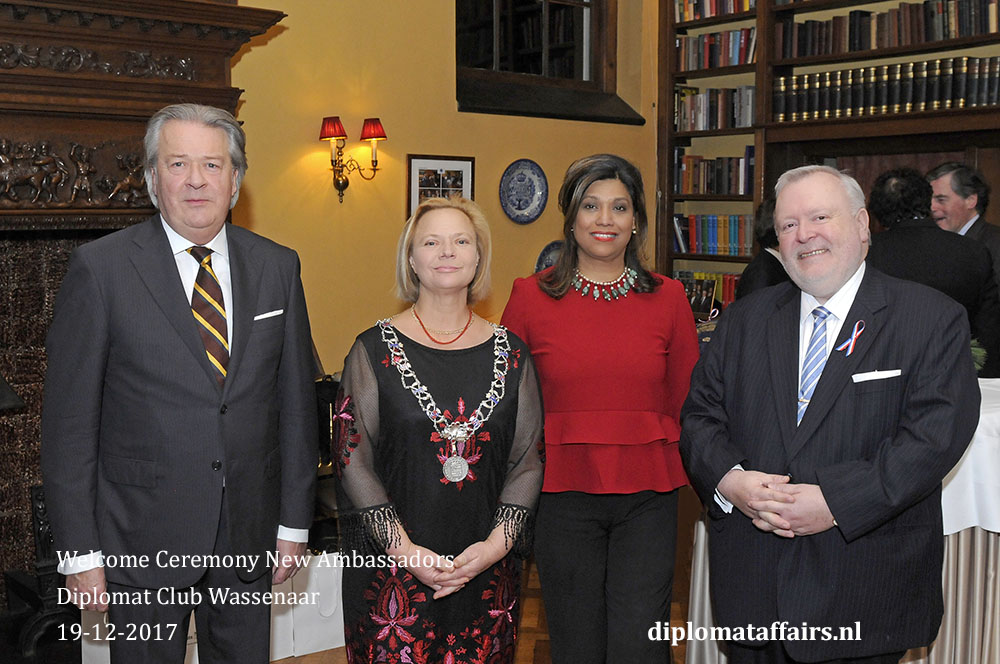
x,y
293,534
721,501
80,563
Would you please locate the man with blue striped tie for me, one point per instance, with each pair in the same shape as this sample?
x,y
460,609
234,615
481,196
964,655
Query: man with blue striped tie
x,y
827,411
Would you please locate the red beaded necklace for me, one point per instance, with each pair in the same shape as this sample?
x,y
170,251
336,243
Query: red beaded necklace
x,y
413,310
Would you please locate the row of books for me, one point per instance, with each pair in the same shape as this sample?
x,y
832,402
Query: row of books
x,y
713,108
530,32
910,23
909,87
562,30
727,176
692,10
707,290
717,49
714,234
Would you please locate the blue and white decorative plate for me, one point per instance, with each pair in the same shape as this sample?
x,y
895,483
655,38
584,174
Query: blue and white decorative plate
x,y
524,191
549,255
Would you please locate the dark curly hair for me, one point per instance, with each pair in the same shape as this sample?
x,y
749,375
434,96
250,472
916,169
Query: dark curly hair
x,y
900,195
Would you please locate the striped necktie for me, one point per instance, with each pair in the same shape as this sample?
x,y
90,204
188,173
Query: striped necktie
x,y
210,312
815,360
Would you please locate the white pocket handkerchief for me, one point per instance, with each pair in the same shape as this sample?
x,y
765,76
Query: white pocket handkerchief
x,y
269,314
876,375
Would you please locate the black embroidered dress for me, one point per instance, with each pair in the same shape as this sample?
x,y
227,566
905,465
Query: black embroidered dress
x,y
389,460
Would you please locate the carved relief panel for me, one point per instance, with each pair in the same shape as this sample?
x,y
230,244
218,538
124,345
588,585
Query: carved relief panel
x,y
78,80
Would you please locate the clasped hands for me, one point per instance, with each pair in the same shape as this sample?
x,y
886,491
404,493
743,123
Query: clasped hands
x,y
774,505
446,576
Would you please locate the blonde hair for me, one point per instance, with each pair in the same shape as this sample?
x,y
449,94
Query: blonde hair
x,y
407,283
855,196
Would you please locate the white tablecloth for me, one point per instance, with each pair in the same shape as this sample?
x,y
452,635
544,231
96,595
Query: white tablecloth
x,y
971,493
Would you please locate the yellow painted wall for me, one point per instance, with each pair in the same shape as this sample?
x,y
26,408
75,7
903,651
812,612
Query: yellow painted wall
x,y
395,59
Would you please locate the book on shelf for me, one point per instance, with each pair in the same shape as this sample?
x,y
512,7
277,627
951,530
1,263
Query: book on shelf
x,y
680,233
713,108
908,24
713,234
716,49
707,290
693,10
959,82
724,176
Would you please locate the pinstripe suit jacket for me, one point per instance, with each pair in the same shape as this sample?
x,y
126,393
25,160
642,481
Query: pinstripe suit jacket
x,y
878,449
139,439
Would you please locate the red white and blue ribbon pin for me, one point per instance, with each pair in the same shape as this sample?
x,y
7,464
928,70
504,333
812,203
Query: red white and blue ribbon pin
x,y
848,345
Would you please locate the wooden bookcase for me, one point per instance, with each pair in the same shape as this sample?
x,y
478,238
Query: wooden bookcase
x,y
867,144
714,137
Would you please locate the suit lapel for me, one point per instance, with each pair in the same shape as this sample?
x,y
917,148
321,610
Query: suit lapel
x,y
869,306
783,345
246,269
157,268
976,230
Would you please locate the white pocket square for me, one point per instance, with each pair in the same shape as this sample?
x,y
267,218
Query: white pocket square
x,y
876,375
269,314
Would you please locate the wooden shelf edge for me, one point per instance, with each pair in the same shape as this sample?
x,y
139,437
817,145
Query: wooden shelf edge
x,y
715,72
722,258
716,20
893,51
708,133
711,197
936,122
809,6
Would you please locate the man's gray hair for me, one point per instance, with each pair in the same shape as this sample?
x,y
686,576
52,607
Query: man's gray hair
x,y
855,196
208,116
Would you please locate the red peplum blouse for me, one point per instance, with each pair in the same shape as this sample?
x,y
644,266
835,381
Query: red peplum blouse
x,y
614,376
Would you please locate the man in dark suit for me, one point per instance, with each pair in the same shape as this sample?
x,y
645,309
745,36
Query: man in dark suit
x,y
179,423
830,434
916,249
961,195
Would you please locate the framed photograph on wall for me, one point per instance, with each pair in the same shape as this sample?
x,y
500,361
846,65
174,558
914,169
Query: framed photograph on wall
x,y
430,176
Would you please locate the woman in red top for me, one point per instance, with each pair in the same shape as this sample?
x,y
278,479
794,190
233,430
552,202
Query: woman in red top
x,y
614,345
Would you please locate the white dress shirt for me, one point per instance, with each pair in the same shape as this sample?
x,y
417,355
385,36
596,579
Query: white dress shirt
x,y
965,229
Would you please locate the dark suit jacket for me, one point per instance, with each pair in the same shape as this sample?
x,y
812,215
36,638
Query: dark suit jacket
x,y
988,234
137,435
763,271
955,265
878,449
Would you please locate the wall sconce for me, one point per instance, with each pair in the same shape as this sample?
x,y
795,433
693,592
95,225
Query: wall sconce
x,y
333,130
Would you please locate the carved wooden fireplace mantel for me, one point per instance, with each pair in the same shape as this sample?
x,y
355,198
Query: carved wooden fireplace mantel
x,y
78,81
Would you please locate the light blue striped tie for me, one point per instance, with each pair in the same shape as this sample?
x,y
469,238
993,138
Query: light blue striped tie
x,y
815,360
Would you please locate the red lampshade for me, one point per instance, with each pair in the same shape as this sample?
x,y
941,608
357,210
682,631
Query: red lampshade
x,y
372,130
333,128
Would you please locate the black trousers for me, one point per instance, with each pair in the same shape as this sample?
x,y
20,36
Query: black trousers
x,y
606,566
774,653
226,633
